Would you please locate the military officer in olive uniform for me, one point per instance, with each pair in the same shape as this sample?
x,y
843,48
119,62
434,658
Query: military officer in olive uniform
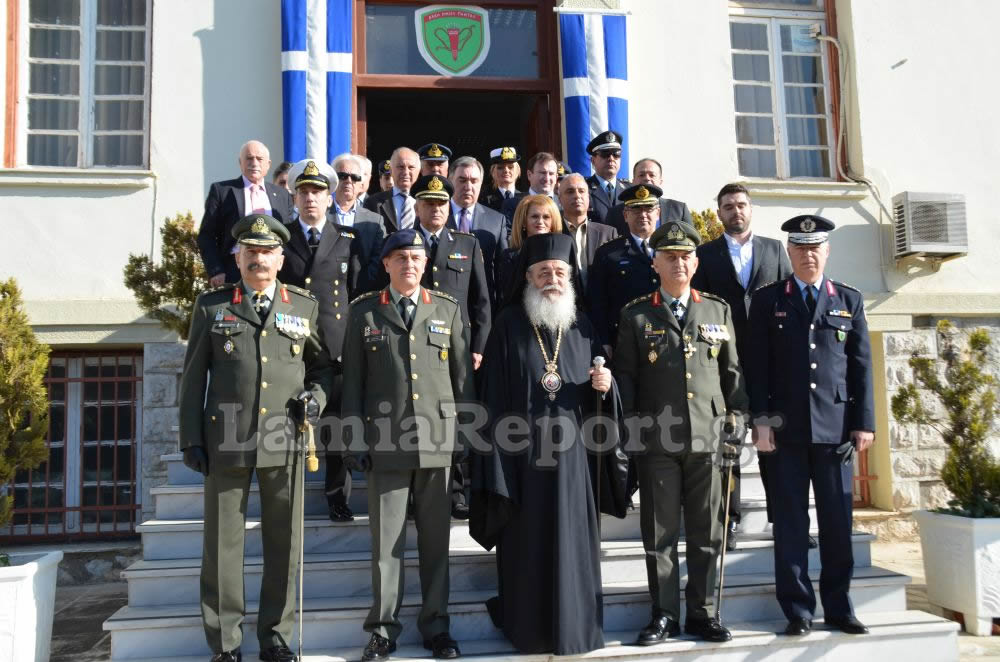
x,y
406,359
676,362
622,268
255,368
812,403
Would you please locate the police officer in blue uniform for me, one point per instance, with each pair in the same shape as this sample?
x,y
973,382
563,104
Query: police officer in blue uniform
x,y
812,402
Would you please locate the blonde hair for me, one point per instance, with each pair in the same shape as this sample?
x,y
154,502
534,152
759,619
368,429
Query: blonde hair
x,y
496,166
520,230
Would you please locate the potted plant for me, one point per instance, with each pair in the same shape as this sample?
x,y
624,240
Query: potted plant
x,y
961,543
27,581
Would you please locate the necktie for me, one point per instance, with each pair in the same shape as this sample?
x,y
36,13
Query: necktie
x,y
507,195
313,239
406,311
464,224
611,192
645,249
678,309
406,218
810,299
258,200
261,304
434,247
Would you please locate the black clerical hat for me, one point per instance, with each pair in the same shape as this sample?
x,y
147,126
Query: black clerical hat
x,y
548,246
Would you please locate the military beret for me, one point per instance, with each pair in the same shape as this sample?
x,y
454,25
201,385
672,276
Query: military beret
x,y
434,152
641,195
260,230
808,229
432,187
312,176
504,155
675,236
384,168
606,140
405,239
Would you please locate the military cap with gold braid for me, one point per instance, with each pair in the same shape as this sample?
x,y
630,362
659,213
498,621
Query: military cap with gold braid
x,y
808,229
260,230
606,140
312,176
434,152
641,195
675,236
562,170
504,155
432,187
384,168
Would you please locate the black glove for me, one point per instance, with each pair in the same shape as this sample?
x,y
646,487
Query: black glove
x,y
358,462
196,460
734,432
305,409
846,449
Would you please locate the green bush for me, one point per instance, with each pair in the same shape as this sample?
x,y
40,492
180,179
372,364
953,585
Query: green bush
x,y
167,291
707,224
967,394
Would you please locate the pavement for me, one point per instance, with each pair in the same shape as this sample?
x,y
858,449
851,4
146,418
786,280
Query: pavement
x,y
81,610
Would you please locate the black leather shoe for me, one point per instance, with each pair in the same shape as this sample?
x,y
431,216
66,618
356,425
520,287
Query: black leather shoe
x,y
848,624
812,543
341,512
459,511
708,629
378,648
661,627
228,656
277,654
734,529
798,627
443,646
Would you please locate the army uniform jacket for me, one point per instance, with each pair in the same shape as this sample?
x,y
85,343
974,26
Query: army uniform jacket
x,y
813,371
457,268
692,371
241,375
392,375
620,272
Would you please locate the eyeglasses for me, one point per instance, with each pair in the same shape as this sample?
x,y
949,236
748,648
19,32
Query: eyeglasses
x,y
609,153
349,175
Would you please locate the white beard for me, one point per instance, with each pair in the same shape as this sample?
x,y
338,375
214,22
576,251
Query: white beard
x,y
556,315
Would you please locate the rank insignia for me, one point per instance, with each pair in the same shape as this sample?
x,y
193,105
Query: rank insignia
x,y
259,226
218,316
347,235
839,313
652,356
435,183
508,154
444,355
228,347
458,256
439,329
841,336
343,267
437,321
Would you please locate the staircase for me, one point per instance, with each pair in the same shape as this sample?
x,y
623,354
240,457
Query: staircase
x,y
162,621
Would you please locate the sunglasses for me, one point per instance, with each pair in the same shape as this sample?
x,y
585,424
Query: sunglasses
x,y
608,153
349,175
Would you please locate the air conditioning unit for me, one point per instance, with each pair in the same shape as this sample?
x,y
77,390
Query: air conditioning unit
x,y
930,225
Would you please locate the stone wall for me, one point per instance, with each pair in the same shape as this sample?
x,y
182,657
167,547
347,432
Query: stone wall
x,y
917,451
161,374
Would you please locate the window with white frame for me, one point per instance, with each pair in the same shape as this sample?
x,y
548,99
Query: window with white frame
x,y
87,83
780,89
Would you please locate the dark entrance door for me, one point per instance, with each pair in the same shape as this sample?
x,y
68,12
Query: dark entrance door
x,y
471,123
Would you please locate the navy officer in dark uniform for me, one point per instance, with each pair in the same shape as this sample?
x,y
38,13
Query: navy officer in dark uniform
x,y
812,401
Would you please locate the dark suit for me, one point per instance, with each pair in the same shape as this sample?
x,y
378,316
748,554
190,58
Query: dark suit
x,y
670,210
384,205
598,234
814,371
490,229
619,273
599,201
493,199
717,275
509,206
224,206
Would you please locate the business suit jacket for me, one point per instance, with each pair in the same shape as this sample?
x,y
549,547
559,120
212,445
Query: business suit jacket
x,y
620,272
814,371
598,234
457,269
224,206
717,275
599,201
361,215
382,204
653,370
421,372
232,353
670,210
489,228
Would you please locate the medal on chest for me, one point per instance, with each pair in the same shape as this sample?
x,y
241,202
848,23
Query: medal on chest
x,y
689,348
551,381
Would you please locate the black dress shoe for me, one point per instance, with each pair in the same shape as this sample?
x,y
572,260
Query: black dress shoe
x,y
378,648
228,656
341,512
459,511
277,654
443,646
708,629
798,626
812,543
661,627
848,624
734,529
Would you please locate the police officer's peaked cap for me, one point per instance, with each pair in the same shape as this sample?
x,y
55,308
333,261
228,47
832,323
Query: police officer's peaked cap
x,y
605,140
808,229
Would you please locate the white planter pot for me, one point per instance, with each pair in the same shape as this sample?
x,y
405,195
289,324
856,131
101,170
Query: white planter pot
x,y
962,566
27,601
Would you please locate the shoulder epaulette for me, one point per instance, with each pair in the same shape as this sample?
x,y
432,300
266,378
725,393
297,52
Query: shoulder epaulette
x,y
301,291
443,295
463,234
840,284
714,297
771,284
366,295
644,297
220,288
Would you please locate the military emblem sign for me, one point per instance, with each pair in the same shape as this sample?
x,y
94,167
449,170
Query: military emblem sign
x,y
454,41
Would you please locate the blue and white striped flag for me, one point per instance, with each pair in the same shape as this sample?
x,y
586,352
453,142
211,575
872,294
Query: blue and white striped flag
x,y
316,65
595,83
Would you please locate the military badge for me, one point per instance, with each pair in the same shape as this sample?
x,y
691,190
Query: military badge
x,y
229,346
343,267
507,154
807,225
839,313
652,356
458,256
260,226
433,328
841,335
435,152
675,233
713,333
641,193
311,170
437,321
443,354
296,349
689,348
435,184
218,316
714,351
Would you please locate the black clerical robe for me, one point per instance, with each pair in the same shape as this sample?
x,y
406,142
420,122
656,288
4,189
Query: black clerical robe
x,y
542,520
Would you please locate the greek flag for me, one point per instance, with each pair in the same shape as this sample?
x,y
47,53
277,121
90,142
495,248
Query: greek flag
x,y
594,83
316,65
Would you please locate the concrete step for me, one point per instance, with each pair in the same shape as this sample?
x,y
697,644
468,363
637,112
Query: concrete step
x,y
331,623
187,501
345,574
898,635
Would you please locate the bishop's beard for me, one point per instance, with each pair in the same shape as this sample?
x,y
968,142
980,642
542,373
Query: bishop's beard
x,y
555,314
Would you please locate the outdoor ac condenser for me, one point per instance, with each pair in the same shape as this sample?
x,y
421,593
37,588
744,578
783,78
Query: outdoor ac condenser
x,y
930,225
